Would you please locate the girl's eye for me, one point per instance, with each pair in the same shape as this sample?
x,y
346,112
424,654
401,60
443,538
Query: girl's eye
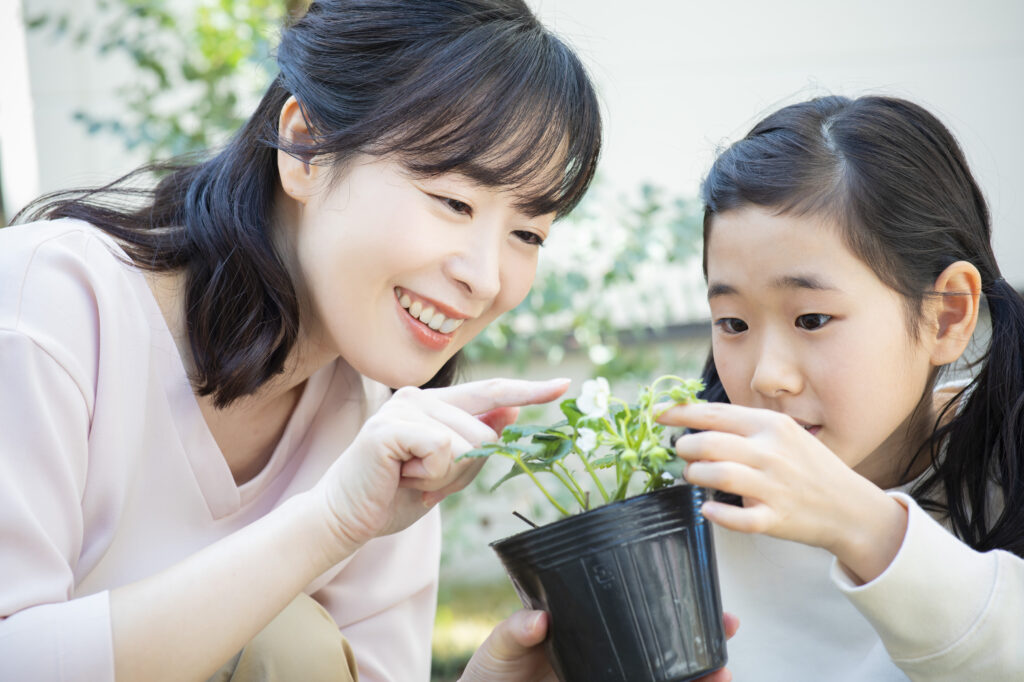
x,y
528,237
731,325
812,321
460,207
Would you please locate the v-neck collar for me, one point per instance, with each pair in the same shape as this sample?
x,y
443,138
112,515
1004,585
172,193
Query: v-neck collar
x,y
209,466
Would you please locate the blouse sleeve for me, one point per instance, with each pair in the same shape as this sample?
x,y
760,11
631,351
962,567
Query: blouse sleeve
x,y
943,610
44,422
384,601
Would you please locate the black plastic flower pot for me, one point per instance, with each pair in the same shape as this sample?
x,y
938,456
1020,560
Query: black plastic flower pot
x,y
631,589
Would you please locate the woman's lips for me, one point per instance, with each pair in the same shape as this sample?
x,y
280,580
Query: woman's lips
x,y
427,337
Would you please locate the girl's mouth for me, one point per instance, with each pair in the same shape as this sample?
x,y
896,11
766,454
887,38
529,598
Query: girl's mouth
x,y
812,428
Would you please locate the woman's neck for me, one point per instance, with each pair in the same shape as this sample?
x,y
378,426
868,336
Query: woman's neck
x,y
246,431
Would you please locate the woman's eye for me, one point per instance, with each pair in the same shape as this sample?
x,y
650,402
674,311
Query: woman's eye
x,y
529,237
731,325
812,321
460,207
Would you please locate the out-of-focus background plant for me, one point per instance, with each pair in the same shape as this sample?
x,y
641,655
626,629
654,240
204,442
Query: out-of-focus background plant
x,y
201,66
615,292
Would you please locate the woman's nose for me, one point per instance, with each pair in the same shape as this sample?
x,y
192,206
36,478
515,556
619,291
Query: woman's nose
x,y
777,371
476,265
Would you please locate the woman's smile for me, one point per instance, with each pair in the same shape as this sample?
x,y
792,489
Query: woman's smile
x,y
432,323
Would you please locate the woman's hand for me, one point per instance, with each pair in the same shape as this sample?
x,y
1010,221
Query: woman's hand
x,y
402,461
512,652
793,486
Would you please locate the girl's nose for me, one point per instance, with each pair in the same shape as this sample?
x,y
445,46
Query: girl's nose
x,y
476,266
777,372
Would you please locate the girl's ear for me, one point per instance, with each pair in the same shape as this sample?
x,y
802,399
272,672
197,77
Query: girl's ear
x,y
955,307
298,175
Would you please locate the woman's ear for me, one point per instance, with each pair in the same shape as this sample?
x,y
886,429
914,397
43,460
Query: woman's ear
x,y
955,308
298,175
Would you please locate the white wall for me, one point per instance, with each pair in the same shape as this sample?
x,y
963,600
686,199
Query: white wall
x,y
680,78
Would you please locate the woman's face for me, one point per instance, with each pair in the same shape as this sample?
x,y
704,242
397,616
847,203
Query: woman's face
x,y
400,272
804,327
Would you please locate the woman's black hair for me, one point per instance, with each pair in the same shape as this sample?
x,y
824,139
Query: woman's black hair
x,y
896,182
474,86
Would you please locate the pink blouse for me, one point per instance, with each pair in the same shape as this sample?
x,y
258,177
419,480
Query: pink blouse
x,y
108,472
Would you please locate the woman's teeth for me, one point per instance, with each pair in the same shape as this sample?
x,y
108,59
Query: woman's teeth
x,y
428,316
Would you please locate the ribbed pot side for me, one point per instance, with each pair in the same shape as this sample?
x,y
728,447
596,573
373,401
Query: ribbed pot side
x,y
631,589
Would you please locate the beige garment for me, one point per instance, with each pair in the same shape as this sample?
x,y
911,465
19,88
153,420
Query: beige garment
x,y
302,644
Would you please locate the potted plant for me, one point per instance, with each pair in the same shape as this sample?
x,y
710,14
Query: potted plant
x,y
630,582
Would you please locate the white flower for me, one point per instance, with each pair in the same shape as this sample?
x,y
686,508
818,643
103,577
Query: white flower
x,y
587,440
593,400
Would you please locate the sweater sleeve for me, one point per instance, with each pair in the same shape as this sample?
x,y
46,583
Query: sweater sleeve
x,y
44,422
384,601
943,610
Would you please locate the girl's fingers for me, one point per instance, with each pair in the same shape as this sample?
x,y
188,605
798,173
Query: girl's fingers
x,y
729,477
755,518
479,397
715,446
743,421
731,624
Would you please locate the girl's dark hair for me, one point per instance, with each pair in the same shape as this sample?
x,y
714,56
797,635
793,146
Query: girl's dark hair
x,y
895,181
474,86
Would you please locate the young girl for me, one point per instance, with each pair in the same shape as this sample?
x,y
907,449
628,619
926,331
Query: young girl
x,y
197,426
847,253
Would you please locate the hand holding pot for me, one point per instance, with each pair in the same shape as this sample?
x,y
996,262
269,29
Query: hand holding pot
x,y
402,461
513,652
793,486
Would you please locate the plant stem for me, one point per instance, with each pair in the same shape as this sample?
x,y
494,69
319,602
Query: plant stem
x,y
593,475
569,482
526,470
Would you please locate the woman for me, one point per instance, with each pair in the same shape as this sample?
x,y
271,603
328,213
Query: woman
x,y
197,418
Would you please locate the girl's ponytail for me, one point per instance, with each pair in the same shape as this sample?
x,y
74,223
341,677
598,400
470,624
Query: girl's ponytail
x,y
988,435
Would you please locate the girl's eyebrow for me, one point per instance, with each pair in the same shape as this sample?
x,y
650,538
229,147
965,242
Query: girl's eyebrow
x,y
802,282
810,282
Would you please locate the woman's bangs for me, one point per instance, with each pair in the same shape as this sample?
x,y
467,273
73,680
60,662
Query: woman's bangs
x,y
531,126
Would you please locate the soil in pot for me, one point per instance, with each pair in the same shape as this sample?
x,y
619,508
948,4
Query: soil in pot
x,y
631,589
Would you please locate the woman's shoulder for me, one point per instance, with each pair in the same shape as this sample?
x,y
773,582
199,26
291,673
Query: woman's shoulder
x,y
54,244
62,282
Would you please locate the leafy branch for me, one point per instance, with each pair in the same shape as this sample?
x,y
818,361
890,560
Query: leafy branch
x,y
600,432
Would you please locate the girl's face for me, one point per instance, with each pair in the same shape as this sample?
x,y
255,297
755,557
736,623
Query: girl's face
x,y
802,326
401,272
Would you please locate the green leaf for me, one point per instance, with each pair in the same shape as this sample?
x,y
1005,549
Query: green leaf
x,y
514,432
485,450
675,468
571,412
517,470
556,449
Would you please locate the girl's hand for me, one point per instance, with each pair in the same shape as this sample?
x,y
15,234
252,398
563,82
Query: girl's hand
x,y
512,652
793,486
402,462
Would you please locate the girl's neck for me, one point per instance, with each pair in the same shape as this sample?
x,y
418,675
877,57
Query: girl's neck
x,y
901,459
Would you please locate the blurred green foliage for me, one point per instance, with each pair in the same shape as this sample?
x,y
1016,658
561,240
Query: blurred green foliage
x,y
588,297
199,67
